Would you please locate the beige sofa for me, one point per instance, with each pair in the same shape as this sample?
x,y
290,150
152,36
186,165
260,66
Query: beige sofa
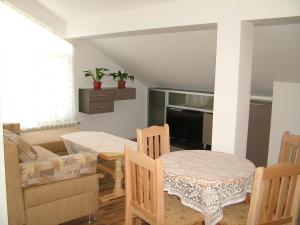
x,y
44,188
49,138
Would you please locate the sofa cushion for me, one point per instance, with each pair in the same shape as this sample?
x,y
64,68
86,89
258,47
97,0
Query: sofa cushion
x,y
25,151
55,147
43,154
49,139
57,169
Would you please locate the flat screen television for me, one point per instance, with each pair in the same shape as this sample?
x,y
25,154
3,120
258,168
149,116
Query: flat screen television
x,y
185,127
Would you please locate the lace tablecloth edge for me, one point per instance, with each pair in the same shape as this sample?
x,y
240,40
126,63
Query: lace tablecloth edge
x,y
170,192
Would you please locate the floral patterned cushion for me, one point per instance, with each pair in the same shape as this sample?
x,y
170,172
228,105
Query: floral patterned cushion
x,y
57,169
25,151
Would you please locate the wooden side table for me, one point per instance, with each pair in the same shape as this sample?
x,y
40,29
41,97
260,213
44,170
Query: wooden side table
x,y
107,147
117,174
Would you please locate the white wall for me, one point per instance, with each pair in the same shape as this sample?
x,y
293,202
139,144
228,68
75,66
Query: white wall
x,y
128,115
3,208
232,87
3,202
39,14
285,115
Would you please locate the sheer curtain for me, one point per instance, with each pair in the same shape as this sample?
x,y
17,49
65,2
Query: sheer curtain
x,y
36,69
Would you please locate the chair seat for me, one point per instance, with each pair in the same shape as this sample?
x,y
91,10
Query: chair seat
x,y
177,213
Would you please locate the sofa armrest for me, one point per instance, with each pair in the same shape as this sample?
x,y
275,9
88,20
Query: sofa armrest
x,y
57,169
13,127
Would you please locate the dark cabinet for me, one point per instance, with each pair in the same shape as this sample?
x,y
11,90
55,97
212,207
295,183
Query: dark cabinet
x,y
156,107
259,132
259,118
185,127
207,128
102,101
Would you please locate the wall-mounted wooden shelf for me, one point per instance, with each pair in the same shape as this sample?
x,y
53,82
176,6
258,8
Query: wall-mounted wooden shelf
x,y
102,101
124,94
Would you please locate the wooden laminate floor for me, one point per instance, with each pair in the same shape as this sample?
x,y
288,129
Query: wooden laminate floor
x,y
109,214
113,213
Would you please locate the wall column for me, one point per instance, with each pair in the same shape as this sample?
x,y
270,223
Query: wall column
x,y
3,199
232,87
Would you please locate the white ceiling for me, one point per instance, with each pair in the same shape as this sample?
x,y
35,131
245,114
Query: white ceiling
x,y
183,60
70,10
186,59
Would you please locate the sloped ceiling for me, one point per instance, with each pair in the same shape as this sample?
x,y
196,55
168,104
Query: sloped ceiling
x,y
276,56
180,60
70,10
186,59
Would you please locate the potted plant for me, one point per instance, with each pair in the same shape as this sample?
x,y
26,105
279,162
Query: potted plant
x,y
121,77
100,73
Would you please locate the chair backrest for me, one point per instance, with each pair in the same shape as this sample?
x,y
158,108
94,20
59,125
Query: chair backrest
x,y
154,141
144,187
290,148
276,195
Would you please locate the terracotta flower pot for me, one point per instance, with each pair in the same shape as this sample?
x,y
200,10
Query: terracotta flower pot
x,y
97,85
121,84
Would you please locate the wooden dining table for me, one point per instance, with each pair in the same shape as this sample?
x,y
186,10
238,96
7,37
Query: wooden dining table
x,y
207,181
106,146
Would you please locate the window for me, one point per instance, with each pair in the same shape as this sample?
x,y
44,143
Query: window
x,y
36,71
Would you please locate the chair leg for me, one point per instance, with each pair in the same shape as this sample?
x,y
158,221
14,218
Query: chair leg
x,y
247,199
128,216
200,223
138,221
90,219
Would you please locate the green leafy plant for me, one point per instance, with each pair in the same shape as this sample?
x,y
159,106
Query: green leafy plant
x,y
99,73
121,76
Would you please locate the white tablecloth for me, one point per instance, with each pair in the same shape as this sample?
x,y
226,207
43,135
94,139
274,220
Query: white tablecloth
x,y
207,181
96,142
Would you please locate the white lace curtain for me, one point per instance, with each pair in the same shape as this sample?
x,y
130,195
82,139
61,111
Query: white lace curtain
x,y
36,70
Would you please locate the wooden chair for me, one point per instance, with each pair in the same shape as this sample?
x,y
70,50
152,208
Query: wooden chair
x,y
154,141
145,198
290,148
276,195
